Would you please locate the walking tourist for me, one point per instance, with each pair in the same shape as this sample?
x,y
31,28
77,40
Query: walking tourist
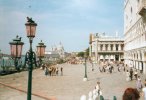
x,y
46,71
118,67
95,93
98,88
139,85
50,71
145,82
57,71
144,91
131,94
131,74
90,96
135,74
61,69
138,78
127,76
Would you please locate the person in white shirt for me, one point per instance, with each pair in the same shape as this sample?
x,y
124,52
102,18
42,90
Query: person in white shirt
x,y
144,92
98,88
127,76
136,74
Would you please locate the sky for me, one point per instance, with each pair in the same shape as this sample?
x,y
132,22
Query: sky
x,y
67,21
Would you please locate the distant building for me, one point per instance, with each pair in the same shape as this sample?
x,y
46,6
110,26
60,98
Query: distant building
x,y
56,52
135,34
51,55
106,48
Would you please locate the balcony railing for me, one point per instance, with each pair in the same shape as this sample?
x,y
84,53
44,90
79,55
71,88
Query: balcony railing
x,y
142,8
107,51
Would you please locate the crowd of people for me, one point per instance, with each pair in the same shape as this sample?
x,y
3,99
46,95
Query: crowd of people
x,y
131,74
52,70
108,67
94,94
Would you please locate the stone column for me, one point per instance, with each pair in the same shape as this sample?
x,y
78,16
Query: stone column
x,y
142,55
103,47
98,57
119,47
96,51
136,65
114,47
119,57
144,67
99,47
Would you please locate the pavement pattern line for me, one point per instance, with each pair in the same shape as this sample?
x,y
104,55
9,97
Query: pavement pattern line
x,y
35,94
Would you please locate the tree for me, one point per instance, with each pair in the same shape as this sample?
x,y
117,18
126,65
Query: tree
x,y
87,51
80,54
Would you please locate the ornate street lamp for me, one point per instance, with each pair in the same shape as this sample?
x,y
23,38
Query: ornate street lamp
x,y
85,56
16,50
30,57
40,51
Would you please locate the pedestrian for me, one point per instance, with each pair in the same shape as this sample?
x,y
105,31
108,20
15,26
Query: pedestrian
x,y
92,66
144,92
50,70
131,94
90,95
139,85
145,82
95,93
57,71
138,78
46,71
131,74
124,69
61,69
103,69
98,88
127,76
112,68
135,74
100,69
118,67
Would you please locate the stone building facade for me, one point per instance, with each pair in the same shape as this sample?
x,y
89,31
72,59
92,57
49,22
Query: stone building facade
x,y
106,48
135,34
56,52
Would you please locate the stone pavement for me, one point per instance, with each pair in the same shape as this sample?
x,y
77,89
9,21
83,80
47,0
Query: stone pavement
x,y
70,86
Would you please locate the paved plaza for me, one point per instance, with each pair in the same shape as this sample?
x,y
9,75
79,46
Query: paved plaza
x,y
70,86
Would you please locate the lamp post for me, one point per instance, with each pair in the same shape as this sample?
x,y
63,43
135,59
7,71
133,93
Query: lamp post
x,y
85,57
16,50
30,57
40,51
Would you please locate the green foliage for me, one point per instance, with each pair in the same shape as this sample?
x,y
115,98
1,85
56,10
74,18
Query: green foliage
x,y
83,54
60,61
87,51
80,54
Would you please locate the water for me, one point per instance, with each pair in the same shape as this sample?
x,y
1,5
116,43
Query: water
x,y
7,63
